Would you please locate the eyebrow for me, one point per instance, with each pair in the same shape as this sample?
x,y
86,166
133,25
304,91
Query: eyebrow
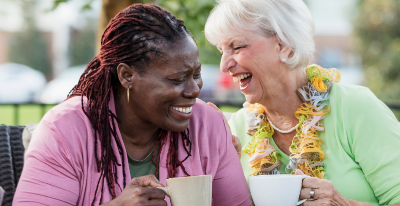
x,y
186,71
182,72
231,42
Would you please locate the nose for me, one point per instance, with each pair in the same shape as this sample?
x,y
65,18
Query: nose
x,y
193,88
227,62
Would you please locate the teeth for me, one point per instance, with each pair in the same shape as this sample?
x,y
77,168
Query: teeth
x,y
243,76
185,110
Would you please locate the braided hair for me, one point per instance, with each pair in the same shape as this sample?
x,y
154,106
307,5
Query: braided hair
x,y
131,37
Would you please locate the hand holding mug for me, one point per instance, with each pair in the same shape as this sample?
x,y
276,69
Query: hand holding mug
x,y
322,192
138,192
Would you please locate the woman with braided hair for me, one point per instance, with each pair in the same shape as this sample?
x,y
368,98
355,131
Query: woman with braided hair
x,y
132,119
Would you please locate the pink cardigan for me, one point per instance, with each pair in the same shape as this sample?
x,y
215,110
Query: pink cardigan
x,y
60,167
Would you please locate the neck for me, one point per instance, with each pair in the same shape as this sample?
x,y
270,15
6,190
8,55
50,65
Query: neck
x,y
135,132
280,106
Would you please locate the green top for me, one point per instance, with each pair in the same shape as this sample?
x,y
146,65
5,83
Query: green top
x,y
361,144
142,167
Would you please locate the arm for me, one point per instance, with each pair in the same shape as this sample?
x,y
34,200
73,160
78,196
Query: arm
x,y
140,191
229,185
235,140
375,144
47,177
373,135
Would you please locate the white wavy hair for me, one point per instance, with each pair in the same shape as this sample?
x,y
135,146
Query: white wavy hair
x,y
289,19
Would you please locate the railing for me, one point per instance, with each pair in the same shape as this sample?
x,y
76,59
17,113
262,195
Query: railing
x,y
16,117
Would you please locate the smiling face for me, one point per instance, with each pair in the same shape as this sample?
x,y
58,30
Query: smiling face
x,y
163,95
254,61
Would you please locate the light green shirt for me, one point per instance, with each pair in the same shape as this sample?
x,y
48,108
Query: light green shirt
x,y
138,168
361,143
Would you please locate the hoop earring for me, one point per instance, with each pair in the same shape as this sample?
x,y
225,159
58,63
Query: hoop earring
x,y
127,94
283,60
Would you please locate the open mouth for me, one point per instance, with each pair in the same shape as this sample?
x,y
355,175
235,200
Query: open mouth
x,y
244,80
184,110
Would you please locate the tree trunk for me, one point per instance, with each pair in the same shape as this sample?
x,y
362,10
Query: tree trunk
x,y
110,8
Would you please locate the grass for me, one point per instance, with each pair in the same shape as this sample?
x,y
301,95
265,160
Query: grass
x,y
27,114
32,114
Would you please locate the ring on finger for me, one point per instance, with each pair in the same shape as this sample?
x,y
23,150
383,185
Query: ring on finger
x,y
312,194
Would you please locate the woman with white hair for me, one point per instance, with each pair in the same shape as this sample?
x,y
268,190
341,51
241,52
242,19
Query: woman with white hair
x,y
298,118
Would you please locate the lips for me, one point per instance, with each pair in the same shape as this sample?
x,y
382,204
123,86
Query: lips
x,y
244,83
244,80
185,110
181,112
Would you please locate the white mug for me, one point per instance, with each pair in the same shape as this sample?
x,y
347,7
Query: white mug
x,y
276,190
189,191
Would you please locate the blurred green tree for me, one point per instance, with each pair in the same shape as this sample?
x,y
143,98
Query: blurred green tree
x,y
29,47
195,14
82,46
377,37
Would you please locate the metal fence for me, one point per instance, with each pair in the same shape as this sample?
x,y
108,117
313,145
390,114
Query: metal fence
x,y
16,113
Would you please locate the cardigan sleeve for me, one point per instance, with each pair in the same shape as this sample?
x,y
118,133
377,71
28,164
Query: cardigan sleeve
x,y
229,185
374,138
48,177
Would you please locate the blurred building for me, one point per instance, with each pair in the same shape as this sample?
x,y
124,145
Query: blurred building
x,y
333,37
56,26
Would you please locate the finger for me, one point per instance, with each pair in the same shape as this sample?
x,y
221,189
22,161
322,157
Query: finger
x,y
317,202
237,145
214,106
145,181
158,202
299,172
305,193
155,193
311,182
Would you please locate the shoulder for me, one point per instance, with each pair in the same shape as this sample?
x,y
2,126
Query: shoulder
x,y
354,99
207,125
65,125
238,122
204,113
66,111
351,92
239,116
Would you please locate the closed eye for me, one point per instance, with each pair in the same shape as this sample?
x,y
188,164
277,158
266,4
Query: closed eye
x,y
177,81
197,75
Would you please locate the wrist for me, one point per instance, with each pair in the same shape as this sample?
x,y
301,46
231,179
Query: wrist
x,y
355,203
111,203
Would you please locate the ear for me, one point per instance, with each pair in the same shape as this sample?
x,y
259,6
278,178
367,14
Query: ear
x,y
125,74
284,49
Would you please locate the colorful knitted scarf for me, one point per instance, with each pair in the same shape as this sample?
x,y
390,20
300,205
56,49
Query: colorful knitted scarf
x,y
306,145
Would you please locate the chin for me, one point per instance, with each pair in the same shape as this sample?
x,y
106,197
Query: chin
x,y
178,126
251,99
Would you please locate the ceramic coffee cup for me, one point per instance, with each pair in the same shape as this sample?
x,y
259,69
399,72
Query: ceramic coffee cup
x,y
276,190
189,191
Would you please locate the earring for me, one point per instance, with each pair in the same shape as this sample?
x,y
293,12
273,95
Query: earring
x,y
127,94
283,60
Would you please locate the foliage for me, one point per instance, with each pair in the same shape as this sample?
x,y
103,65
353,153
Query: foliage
x,y
82,46
86,6
378,41
194,13
29,47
